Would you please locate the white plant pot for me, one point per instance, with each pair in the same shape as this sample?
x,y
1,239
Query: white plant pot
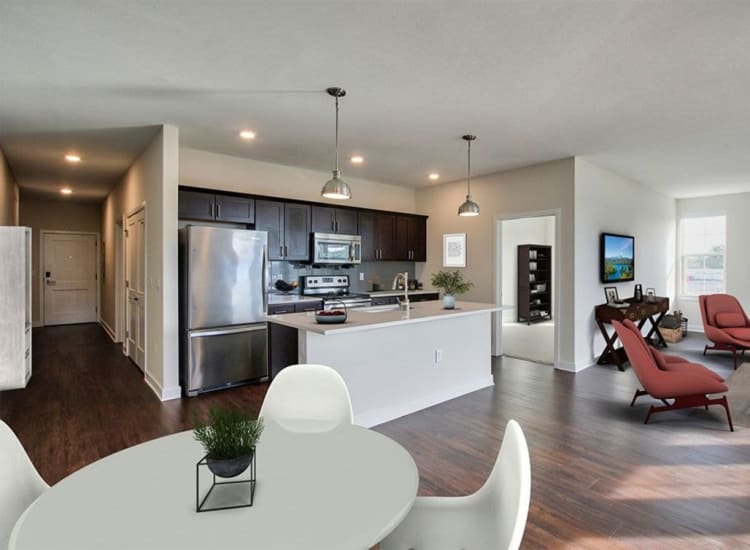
x,y
449,301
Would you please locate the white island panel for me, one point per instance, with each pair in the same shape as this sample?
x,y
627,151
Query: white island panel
x,y
404,365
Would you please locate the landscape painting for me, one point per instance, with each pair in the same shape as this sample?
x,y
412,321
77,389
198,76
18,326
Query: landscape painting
x,y
617,258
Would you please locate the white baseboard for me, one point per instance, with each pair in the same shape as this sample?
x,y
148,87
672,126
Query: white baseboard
x,y
569,366
108,329
164,394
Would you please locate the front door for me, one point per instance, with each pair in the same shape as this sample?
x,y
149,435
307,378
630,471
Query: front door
x,y
135,284
69,278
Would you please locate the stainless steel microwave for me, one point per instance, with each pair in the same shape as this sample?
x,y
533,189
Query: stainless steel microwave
x,y
332,248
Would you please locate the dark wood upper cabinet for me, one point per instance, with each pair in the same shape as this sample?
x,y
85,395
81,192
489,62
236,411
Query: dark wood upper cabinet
x,y
194,205
385,236
234,209
323,219
367,232
269,216
297,232
403,244
327,219
411,238
197,205
346,221
419,252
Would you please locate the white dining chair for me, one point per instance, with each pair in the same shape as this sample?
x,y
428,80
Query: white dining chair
x,y
493,518
20,483
308,398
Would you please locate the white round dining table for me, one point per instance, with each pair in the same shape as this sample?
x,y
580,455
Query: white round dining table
x,y
345,488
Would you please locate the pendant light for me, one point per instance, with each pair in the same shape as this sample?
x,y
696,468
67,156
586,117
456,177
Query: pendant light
x,y
336,188
469,207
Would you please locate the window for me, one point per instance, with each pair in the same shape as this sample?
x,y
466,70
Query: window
x,y
702,255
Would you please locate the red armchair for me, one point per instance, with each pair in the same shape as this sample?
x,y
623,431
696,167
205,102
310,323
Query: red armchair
x,y
670,363
725,324
687,388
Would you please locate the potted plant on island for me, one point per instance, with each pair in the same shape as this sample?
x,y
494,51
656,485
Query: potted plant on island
x,y
452,284
229,439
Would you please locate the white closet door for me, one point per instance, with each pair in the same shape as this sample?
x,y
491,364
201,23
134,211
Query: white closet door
x,y
135,275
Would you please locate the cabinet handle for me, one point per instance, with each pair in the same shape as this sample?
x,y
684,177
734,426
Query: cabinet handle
x,y
286,251
218,210
333,224
211,209
338,228
281,250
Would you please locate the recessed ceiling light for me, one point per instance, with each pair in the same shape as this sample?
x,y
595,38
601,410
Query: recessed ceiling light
x,y
247,134
66,191
357,159
433,176
72,157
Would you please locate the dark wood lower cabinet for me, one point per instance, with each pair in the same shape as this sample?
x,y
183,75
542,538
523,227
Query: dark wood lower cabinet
x,y
282,348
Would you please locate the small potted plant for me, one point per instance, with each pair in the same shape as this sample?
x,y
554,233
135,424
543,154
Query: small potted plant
x,y
452,284
229,439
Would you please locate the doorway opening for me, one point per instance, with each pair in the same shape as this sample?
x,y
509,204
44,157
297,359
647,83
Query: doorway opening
x,y
526,280
69,262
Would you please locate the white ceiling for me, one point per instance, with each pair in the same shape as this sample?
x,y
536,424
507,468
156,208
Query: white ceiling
x,y
656,91
38,161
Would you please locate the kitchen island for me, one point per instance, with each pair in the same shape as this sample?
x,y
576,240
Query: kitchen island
x,y
397,362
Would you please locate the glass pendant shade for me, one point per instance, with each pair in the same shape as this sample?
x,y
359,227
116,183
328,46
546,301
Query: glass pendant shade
x,y
468,208
336,188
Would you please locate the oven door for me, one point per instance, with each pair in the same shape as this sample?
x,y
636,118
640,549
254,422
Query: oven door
x,y
336,249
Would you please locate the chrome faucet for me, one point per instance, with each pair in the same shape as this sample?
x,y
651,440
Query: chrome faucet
x,y
405,277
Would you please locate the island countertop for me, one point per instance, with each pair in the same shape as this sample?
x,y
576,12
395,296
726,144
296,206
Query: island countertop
x,y
362,319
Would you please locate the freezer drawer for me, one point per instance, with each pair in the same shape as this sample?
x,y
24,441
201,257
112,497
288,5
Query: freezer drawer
x,y
222,357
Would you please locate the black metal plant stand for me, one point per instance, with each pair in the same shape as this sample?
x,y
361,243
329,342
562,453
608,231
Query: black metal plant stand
x,y
200,505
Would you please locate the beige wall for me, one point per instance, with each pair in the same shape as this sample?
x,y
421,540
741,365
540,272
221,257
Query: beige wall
x,y
534,189
735,207
8,194
242,175
608,202
152,180
53,215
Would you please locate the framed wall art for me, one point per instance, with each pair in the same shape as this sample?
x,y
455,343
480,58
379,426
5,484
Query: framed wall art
x,y
454,250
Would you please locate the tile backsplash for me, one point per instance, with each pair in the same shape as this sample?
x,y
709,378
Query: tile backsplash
x,y
379,273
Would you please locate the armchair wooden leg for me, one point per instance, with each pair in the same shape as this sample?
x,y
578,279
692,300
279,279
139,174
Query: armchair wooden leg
x,y
636,395
724,403
689,401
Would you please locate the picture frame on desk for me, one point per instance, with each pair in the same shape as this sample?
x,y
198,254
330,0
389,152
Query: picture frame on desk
x,y
610,294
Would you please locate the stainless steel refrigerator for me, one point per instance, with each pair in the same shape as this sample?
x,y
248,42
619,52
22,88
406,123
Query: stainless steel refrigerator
x,y
224,273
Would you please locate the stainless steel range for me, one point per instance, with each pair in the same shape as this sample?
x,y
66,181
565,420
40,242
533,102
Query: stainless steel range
x,y
333,289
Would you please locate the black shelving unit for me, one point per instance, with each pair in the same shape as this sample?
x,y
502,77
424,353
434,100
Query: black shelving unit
x,y
534,299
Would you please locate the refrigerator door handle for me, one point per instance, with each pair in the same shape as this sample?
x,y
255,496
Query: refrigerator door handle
x,y
227,330
266,277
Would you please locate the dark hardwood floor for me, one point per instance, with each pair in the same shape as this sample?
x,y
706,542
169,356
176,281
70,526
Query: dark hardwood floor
x,y
600,478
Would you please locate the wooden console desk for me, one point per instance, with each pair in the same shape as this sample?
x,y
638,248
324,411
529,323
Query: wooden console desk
x,y
639,313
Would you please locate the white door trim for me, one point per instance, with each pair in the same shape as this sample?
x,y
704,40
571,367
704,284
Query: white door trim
x,y
497,347
96,234
124,290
